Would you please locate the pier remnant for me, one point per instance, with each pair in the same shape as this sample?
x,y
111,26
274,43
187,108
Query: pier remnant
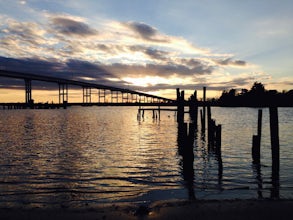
x,y
193,108
180,105
186,135
275,146
256,139
204,109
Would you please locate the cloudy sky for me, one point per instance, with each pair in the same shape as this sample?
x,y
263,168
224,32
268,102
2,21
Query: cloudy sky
x,y
153,46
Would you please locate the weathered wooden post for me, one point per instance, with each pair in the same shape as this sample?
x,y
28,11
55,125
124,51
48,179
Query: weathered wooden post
x,y
259,124
274,128
185,149
275,146
193,107
256,140
180,106
196,110
191,133
204,109
210,130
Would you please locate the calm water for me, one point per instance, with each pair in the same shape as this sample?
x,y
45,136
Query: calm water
x,y
84,156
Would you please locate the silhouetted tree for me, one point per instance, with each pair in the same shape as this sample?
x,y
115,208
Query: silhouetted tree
x,y
257,96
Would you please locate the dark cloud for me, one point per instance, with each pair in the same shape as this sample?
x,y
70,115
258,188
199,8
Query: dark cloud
x,y
162,70
156,54
240,81
191,62
230,61
71,69
191,86
71,27
145,31
152,53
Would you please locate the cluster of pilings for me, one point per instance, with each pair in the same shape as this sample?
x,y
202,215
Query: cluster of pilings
x,y
187,133
274,132
156,113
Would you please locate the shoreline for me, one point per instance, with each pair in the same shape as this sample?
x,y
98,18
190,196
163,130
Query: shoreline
x,y
197,209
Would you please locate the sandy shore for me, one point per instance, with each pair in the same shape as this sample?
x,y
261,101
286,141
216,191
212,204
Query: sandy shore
x,y
227,209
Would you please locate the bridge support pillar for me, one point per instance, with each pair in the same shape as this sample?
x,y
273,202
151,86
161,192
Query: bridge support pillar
x,y
124,97
87,94
114,96
63,93
102,95
28,91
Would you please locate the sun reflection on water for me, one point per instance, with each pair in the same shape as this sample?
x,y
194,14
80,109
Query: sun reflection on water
x,y
92,155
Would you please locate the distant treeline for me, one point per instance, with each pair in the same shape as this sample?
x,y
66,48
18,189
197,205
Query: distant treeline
x,y
257,96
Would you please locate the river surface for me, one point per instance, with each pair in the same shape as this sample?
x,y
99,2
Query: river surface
x,y
94,155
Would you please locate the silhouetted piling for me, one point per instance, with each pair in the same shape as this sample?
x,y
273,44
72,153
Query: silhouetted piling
x,y
191,133
274,128
185,149
256,139
204,109
180,106
193,108
210,128
275,146
259,124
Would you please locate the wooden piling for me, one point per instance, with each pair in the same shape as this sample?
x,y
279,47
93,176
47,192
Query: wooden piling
x,y
180,106
210,128
255,149
259,124
191,133
274,128
184,131
275,146
256,140
204,109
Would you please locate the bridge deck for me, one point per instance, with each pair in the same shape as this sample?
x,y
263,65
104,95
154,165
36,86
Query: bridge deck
x,y
29,76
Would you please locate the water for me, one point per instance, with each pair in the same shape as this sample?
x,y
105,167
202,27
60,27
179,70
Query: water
x,y
93,155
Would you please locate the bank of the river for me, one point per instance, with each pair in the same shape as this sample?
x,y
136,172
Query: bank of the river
x,y
226,209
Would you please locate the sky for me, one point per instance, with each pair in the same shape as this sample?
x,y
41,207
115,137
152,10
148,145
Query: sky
x,y
151,46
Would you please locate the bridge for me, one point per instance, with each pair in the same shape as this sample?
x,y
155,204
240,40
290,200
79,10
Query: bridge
x,y
118,96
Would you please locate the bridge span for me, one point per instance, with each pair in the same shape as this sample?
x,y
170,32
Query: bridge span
x,y
117,96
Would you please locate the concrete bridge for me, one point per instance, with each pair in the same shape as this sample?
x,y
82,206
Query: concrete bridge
x,y
117,96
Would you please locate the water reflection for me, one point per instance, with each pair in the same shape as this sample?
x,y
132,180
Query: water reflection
x,y
185,149
275,190
92,155
256,167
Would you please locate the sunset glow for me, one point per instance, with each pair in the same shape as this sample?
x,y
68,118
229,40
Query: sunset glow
x,y
213,44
